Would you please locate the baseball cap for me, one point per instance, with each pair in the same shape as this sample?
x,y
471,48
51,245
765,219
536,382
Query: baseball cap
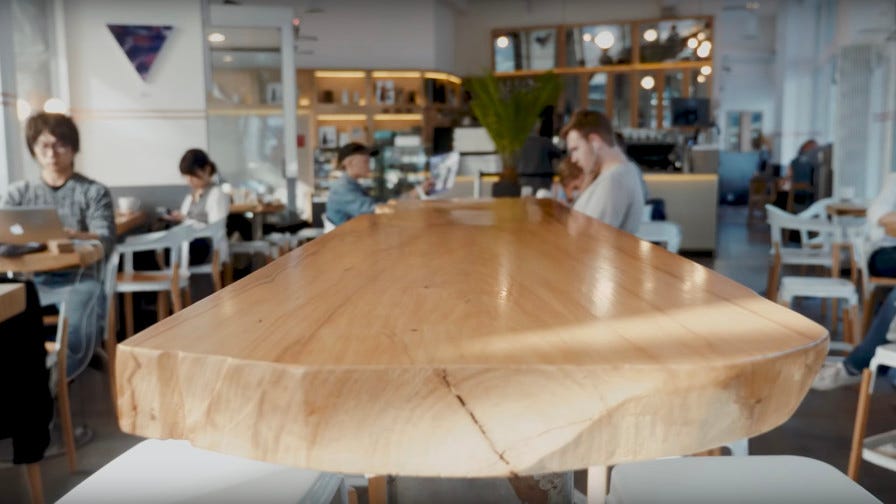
x,y
350,149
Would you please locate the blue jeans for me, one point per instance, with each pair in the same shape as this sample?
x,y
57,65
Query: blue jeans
x,y
85,309
860,357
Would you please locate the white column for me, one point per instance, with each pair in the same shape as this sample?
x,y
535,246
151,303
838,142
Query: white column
x,y
10,150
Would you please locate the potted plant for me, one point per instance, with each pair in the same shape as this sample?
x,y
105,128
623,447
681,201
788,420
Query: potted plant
x,y
509,110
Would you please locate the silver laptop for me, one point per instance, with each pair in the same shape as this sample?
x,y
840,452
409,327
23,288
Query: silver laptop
x,y
30,224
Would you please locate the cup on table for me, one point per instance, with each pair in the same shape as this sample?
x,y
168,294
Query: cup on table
x,y
128,204
526,191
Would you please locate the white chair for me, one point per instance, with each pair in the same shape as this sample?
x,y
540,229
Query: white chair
x,y
220,254
328,224
172,279
879,449
305,235
858,239
770,478
666,233
820,252
793,287
172,471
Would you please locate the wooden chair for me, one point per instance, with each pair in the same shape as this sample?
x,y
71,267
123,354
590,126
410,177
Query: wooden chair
x,y
858,239
762,192
217,233
170,280
57,360
820,248
876,449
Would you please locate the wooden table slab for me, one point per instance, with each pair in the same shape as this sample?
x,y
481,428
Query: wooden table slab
x,y
479,338
12,300
127,222
84,255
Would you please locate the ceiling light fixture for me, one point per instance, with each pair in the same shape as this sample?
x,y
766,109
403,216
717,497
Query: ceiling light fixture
x,y
604,39
651,35
706,70
704,49
502,41
216,37
648,82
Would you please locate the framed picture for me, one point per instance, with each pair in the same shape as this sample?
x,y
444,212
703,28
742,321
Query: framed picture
x,y
385,92
273,93
327,137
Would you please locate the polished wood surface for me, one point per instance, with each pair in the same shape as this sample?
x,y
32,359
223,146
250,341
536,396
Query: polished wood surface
x,y
127,222
476,338
84,255
12,300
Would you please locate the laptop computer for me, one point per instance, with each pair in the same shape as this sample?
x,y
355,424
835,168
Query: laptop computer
x,y
20,225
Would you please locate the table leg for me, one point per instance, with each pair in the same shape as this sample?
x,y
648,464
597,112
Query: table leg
x,y
598,484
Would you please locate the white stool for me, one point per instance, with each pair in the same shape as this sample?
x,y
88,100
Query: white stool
x,y
170,471
879,449
827,288
776,478
666,233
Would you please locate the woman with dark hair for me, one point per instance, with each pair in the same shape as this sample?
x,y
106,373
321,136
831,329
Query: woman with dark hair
x,y
205,204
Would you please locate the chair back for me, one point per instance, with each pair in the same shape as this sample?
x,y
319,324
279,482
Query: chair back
x,y
823,233
817,210
328,224
214,231
170,239
858,243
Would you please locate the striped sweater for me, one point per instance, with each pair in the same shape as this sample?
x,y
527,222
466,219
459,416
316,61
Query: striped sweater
x,y
83,204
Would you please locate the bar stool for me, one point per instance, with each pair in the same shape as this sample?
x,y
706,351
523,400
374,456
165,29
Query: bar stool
x,y
879,449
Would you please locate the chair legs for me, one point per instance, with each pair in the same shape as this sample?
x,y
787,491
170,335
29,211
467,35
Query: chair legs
x,y
35,484
377,490
858,431
128,310
111,344
774,278
65,407
216,271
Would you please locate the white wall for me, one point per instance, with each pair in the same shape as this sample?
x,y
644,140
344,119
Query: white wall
x,y
134,132
443,30
367,34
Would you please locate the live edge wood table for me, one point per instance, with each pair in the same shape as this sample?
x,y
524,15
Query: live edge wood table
x,y
470,339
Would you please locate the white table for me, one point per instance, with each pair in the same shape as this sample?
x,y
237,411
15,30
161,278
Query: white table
x,y
156,471
696,480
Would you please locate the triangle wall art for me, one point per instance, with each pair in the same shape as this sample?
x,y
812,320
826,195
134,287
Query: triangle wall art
x,y
141,44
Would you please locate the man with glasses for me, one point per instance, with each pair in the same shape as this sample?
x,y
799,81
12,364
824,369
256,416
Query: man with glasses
x,y
85,209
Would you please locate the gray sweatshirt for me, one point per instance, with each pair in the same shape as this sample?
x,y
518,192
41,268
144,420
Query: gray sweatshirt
x,y
83,204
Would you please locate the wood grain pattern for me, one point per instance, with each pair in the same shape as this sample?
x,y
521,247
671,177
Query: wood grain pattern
x,y
12,300
476,338
84,255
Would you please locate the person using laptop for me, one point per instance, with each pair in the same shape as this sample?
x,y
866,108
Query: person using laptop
x,y
347,198
85,209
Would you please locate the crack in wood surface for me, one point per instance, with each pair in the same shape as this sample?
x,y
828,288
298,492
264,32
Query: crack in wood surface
x,y
444,376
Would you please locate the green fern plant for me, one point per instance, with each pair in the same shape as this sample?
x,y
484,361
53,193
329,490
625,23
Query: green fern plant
x,y
509,111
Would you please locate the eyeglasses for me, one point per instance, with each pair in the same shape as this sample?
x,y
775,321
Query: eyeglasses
x,y
55,146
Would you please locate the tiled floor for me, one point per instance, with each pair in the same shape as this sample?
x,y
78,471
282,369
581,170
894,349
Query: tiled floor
x,y
821,428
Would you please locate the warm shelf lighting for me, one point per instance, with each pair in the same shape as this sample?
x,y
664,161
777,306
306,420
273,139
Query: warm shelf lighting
x,y
341,117
586,37
443,76
701,36
397,117
701,79
502,41
604,40
704,49
351,74
706,69
395,74
55,106
651,35
693,43
227,58
648,82
304,102
216,37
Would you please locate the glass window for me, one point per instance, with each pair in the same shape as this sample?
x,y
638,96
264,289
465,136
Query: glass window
x,y
534,49
672,89
596,45
622,96
647,100
675,40
597,92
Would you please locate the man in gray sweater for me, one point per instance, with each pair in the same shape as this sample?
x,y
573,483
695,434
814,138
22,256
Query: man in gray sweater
x,y
85,209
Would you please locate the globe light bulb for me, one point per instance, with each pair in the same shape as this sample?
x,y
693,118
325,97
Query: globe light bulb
x,y
502,41
706,70
604,40
648,82
650,35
